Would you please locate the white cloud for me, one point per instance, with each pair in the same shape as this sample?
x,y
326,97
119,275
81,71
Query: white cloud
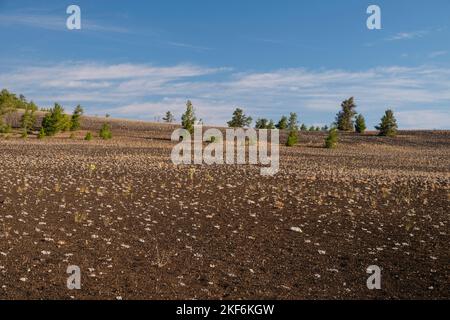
x,y
144,91
424,119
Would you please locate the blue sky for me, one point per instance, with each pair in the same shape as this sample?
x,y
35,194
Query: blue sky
x,y
137,59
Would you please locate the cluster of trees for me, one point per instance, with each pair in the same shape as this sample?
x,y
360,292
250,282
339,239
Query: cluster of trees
x,y
347,120
54,121
10,102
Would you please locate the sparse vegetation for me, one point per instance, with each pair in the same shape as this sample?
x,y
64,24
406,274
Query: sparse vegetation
x,y
104,194
88,136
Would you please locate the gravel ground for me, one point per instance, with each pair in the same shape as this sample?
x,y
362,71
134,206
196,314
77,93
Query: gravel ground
x,y
140,227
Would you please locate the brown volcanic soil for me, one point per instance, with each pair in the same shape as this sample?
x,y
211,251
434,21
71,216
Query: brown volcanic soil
x,y
141,228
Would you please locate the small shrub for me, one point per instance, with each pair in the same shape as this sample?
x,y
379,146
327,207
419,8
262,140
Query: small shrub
x,y
24,134
292,138
41,134
6,128
213,139
332,139
105,132
88,136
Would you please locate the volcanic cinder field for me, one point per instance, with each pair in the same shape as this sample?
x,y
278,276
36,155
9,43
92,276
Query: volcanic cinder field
x,y
140,227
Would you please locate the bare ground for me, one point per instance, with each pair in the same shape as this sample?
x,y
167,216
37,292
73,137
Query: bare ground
x,y
141,228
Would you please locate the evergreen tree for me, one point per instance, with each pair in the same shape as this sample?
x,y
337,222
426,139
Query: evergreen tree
x,y
7,105
169,118
293,122
105,132
264,124
239,119
360,124
75,120
283,123
41,134
27,121
88,136
388,126
261,123
303,127
292,138
332,139
344,119
188,118
55,121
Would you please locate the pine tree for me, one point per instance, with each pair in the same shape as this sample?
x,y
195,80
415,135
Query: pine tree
x,y
303,127
261,123
292,138
88,136
239,119
360,124
27,121
344,119
41,134
388,126
75,119
293,122
332,139
283,123
105,132
169,118
55,121
188,118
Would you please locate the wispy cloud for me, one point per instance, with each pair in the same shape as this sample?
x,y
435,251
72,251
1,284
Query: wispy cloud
x,y
54,23
436,54
187,45
144,91
408,35
424,119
